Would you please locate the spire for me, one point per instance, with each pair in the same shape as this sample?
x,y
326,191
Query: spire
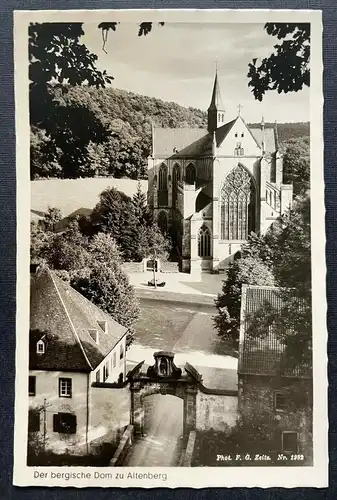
x,y
263,136
216,101
216,110
262,123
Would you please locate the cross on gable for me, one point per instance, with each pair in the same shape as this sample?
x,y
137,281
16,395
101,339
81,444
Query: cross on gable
x,y
240,106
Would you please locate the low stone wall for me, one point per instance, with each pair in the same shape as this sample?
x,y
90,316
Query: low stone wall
x,y
170,267
123,447
187,456
141,267
133,267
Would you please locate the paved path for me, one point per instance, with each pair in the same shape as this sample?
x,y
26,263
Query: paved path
x,y
187,330
161,444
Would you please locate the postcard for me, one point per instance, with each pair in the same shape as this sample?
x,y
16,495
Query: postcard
x,y
171,304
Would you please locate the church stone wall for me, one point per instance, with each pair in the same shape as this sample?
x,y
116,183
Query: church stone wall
x,y
214,411
109,414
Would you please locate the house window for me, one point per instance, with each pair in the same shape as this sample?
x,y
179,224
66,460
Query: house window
x,y
65,388
242,135
106,369
280,403
64,423
114,359
33,421
32,385
236,134
289,442
204,242
98,376
40,347
121,352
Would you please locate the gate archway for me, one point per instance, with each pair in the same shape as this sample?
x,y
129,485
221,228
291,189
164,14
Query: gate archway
x,y
164,377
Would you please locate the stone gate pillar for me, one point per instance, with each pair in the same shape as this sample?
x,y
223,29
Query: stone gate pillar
x,y
190,410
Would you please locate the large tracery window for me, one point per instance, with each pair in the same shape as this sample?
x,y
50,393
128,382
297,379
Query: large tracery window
x,y
204,242
162,178
190,174
237,205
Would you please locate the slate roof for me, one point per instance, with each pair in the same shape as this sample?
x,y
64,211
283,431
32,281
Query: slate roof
x,y
270,135
263,356
63,317
166,140
177,142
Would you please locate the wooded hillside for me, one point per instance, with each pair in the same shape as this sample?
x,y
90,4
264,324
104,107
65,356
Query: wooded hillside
x,y
107,132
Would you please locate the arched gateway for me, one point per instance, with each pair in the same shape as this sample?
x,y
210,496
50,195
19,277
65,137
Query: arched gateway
x,y
164,377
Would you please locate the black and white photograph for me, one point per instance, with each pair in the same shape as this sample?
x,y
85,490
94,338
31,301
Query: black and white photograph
x,y
171,313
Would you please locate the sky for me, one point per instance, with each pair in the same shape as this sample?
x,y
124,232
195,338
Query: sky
x,y
176,62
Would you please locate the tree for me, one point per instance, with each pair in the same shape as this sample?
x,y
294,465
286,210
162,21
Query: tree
x,y
142,213
104,250
114,214
248,270
288,240
107,286
68,251
296,164
51,218
286,69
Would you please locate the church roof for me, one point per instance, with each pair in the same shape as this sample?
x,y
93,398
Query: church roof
x,y
270,134
63,318
170,141
262,355
216,101
222,132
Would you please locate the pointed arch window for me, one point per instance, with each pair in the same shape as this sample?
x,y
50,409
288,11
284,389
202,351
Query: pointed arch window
x,y
238,151
190,174
162,178
162,221
237,205
175,180
204,242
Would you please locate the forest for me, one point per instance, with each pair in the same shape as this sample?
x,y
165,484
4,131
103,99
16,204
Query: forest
x,y
107,132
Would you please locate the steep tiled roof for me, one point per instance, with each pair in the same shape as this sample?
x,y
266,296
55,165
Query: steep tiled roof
x,y
63,317
167,141
262,356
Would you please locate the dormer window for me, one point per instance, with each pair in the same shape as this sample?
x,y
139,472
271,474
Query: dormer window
x,y
94,335
40,347
103,325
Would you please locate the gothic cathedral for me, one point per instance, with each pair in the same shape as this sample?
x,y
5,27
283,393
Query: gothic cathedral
x,y
211,188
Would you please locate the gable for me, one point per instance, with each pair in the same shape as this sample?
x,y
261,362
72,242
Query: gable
x,y
237,133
